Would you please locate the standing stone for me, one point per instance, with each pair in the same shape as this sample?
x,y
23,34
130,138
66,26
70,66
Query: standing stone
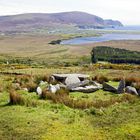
x,y
121,87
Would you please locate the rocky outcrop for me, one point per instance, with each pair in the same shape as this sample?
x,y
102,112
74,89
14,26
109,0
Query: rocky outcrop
x,y
112,23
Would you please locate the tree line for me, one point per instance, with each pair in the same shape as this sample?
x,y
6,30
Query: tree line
x,y
114,55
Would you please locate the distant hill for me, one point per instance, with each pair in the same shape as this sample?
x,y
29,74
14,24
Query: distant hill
x,y
35,20
112,23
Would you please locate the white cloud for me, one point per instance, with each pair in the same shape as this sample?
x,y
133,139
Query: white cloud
x,y
126,11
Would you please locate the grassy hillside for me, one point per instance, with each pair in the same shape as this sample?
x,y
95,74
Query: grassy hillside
x,y
45,120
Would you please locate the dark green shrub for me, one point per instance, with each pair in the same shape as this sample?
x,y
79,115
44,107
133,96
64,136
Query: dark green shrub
x,y
54,42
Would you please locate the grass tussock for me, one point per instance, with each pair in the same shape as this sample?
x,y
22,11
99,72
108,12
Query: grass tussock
x,y
117,79
39,78
100,78
62,92
1,87
31,86
26,81
58,95
16,99
30,82
131,80
22,79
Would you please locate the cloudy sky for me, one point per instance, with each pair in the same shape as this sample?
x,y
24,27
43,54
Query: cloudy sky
x,y
127,11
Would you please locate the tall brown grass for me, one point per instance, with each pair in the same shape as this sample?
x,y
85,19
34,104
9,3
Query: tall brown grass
x,y
100,78
132,80
1,88
39,78
26,81
16,99
117,66
84,104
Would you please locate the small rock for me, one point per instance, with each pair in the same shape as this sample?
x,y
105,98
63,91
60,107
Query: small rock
x,y
131,90
52,88
39,91
25,89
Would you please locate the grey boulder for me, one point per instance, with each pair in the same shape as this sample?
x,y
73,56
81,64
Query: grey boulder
x,y
131,90
108,87
54,88
139,92
100,86
86,89
72,80
121,87
68,79
79,84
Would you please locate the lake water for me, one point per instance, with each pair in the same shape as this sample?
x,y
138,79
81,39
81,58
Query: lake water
x,y
126,28
106,37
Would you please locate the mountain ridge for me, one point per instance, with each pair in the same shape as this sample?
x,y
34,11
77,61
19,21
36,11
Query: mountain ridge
x,y
44,19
